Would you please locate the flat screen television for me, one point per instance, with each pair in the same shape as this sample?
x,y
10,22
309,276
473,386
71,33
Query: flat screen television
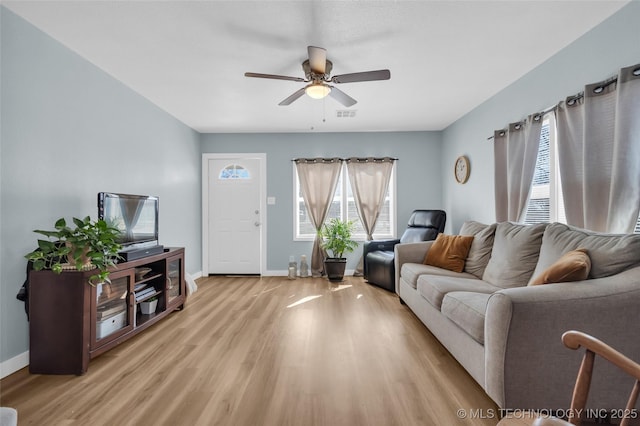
x,y
136,216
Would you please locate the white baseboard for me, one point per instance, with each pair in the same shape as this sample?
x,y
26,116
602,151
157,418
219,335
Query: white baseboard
x,y
274,273
284,273
196,275
14,364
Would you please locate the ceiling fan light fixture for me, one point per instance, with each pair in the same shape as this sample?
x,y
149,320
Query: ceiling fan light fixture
x,y
317,71
317,90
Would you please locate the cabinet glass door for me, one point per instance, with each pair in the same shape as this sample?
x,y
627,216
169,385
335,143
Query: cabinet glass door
x,y
112,308
174,279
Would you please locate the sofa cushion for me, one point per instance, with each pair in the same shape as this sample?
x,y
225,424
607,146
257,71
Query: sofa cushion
x,y
433,288
514,255
467,310
610,254
480,251
410,272
449,252
572,266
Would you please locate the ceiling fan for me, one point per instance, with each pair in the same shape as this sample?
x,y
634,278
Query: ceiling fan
x,y
317,70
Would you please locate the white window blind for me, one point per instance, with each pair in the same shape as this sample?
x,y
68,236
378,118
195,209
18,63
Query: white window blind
x,y
545,200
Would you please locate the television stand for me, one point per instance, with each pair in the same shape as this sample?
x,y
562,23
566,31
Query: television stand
x,y
135,254
72,321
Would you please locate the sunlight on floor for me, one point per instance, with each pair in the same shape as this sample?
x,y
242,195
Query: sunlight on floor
x,y
304,300
265,291
340,287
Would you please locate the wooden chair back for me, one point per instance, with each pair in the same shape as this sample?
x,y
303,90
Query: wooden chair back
x,y
575,340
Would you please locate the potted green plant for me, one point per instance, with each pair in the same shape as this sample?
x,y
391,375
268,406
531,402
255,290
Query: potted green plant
x,y
149,306
87,245
336,238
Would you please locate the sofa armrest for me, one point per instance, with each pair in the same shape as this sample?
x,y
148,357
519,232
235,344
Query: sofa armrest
x,y
375,245
409,253
526,364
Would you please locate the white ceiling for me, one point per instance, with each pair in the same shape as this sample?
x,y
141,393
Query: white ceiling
x,y
189,57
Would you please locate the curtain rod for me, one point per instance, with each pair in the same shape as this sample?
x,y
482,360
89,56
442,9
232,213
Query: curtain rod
x,y
541,114
329,160
571,100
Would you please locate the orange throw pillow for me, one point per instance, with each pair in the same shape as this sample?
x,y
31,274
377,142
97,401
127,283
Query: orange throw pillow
x,y
572,266
449,252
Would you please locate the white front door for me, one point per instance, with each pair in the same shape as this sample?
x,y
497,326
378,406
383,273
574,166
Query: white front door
x,y
234,209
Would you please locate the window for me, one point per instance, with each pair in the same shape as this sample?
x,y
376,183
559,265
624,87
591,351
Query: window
x,y
545,200
343,206
234,171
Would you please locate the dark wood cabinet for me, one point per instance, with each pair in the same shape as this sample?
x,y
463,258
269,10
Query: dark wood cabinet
x,y
71,321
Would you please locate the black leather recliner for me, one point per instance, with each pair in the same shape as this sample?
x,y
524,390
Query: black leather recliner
x,y
379,268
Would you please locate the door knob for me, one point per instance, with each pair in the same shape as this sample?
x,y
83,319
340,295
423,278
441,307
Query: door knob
x,y
257,223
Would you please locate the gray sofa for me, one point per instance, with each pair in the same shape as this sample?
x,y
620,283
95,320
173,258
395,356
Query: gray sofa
x,y
507,334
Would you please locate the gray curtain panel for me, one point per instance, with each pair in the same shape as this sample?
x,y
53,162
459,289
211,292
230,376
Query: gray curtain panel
x,y
500,174
318,179
369,178
599,154
515,154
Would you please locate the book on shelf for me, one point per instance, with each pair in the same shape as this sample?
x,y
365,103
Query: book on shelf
x,y
146,290
110,304
140,286
108,312
144,293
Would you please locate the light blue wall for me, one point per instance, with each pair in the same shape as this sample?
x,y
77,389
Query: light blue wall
x,y
69,131
597,55
418,174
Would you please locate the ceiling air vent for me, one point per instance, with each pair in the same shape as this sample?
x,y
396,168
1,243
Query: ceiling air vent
x,y
346,113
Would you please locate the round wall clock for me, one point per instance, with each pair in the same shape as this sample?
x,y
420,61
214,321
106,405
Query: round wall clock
x,y
462,169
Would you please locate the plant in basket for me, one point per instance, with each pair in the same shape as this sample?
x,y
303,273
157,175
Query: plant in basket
x,y
84,246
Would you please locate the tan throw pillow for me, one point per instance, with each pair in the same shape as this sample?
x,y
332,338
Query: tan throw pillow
x,y
572,266
449,252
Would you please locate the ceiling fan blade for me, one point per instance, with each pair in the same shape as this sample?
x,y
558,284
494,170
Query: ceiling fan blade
x,y
292,98
273,76
317,59
362,76
342,97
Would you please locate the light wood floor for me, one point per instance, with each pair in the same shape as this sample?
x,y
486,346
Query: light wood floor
x,y
265,351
